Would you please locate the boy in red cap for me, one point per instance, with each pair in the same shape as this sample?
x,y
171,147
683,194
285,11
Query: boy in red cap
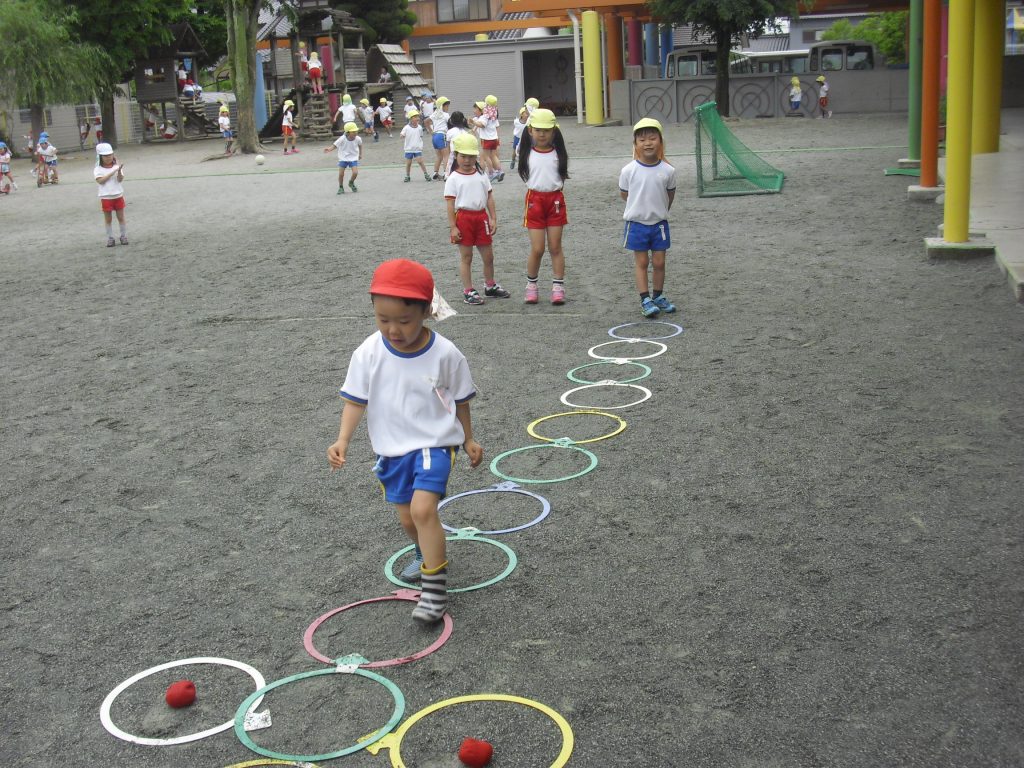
x,y
414,386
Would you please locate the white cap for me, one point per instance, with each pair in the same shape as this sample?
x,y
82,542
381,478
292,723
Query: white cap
x,y
104,149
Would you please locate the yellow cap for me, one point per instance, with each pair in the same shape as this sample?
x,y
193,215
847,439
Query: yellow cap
x,y
383,100
820,78
365,102
492,100
350,127
543,118
532,102
442,100
289,103
414,113
647,122
794,80
224,108
479,105
346,99
466,144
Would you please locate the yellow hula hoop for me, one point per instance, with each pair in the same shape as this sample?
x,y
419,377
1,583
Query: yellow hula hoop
x,y
622,425
393,741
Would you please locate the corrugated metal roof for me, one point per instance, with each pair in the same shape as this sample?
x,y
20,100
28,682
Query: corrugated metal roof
x,y
768,43
510,34
403,66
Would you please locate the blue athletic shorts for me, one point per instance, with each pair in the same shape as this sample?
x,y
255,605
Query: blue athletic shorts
x,y
426,469
368,125
413,155
647,237
226,134
348,163
439,140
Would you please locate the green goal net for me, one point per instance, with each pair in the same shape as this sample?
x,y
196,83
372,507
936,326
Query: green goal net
x,y
725,165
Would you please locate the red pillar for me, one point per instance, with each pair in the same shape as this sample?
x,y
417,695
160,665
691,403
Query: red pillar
x,y
613,37
930,94
636,46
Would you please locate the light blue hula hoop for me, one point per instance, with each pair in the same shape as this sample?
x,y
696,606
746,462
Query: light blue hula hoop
x,y
463,534
614,335
345,665
562,442
644,375
501,488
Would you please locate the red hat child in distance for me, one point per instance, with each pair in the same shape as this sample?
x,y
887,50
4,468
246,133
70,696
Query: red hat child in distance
x,y
403,279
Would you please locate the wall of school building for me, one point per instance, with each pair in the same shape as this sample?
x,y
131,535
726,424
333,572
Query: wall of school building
x,y
512,70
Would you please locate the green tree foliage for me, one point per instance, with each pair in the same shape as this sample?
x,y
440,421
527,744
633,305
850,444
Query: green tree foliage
x,y
209,22
383,21
41,62
888,31
724,22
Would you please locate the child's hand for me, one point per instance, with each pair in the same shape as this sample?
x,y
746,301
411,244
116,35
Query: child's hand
x,y
456,235
336,455
493,224
475,451
327,149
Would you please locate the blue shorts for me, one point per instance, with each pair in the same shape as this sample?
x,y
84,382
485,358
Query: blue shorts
x,y
439,140
515,143
426,469
226,134
348,163
368,125
647,237
413,155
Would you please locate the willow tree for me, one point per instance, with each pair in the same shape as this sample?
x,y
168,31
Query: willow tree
x,y
243,25
41,62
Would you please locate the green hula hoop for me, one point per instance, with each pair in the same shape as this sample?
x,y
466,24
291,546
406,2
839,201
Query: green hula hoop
x,y
562,442
644,375
463,534
346,665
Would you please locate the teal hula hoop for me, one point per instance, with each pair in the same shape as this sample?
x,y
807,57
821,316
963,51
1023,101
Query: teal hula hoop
x,y
562,442
644,375
463,534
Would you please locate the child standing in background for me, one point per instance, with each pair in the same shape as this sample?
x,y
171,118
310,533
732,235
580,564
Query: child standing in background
x,y
367,113
517,134
823,91
46,171
412,133
456,125
439,131
485,124
350,152
224,123
288,126
795,94
5,169
648,185
410,107
544,166
384,113
109,175
472,217
315,71
347,111
414,386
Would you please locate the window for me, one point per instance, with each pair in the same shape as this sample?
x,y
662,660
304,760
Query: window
x,y
860,57
463,10
831,59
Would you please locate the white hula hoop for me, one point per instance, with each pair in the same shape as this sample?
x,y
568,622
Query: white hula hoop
x,y
645,390
594,354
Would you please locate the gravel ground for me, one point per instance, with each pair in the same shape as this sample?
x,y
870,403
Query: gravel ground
x,y
803,550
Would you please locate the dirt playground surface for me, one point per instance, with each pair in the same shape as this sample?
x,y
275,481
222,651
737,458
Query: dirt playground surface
x,y
803,550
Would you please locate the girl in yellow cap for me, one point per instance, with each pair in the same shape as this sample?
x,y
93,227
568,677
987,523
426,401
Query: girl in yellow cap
x,y
796,94
384,112
224,123
412,134
288,126
350,152
315,72
367,113
485,125
648,185
544,166
823,91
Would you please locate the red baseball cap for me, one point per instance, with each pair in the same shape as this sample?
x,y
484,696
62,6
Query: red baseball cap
x,y
403,279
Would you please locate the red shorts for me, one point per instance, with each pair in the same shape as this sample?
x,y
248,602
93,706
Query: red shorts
x,y
314,72
115,204
489,143
286,130
474,226
545,209
823,102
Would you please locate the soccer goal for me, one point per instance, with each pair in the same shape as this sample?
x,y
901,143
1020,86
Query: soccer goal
x,y
725,165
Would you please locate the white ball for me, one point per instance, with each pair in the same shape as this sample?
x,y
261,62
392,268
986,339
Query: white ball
x,y
260,159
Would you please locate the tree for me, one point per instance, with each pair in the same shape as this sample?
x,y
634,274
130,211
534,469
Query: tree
x,y
724,22
126,30
383,21
243,26
210,25
888,31
40,61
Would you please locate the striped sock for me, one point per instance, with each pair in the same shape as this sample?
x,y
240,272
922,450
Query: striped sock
x,y
434,594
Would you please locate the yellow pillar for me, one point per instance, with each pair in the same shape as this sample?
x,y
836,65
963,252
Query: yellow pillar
x,y
592,75
957,213
989,19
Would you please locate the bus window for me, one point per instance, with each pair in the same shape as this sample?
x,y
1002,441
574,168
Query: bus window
x,y
831,59
707,63
859,57
686,66
797,65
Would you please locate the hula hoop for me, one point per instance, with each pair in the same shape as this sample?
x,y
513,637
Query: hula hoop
x,y
644,375
268,761
559,443
393,741
622,425
463,534
407,595
679,329
661,351
108,723
343,668
505,487
645,390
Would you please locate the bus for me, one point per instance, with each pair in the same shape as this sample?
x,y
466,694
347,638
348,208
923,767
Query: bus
x,y
823,56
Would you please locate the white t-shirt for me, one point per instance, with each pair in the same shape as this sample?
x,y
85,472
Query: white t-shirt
x,y
451,133
384,111
367,113
413,135
648,187
224,122
410,399
111,189
348,150
469,190
410,107
439,121
517,128
795,93
426,109
287,119
823,91
347,112
544,171
49,152
488,128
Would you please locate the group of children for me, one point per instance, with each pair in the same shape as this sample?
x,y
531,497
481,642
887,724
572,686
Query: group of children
x,y
796,94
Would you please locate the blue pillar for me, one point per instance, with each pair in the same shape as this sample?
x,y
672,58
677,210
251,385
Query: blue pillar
x,y
259,107
651,44
666,46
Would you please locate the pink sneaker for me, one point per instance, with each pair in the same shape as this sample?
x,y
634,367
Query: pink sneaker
x,y
531,293
558,294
